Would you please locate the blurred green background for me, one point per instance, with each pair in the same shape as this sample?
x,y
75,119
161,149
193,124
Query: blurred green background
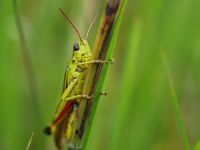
x,y
137,113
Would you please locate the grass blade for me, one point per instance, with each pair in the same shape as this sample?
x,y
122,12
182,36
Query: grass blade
x,y
179,120
30,141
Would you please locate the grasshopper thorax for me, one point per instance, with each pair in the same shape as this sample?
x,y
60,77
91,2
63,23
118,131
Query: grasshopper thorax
x,y
81,54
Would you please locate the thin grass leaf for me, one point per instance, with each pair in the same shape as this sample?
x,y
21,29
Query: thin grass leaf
x,y
179,119
27,62
30,141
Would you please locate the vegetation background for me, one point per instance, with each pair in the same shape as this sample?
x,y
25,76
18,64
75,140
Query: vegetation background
x,y
138,112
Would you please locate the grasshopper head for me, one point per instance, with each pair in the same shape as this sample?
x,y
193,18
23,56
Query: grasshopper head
x,y
81,47
82,53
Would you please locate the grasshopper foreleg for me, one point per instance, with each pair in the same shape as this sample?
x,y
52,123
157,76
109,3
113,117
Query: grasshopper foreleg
x,y
111,61
77,97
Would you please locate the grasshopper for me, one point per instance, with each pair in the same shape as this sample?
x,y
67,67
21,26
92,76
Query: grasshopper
x,y
63,124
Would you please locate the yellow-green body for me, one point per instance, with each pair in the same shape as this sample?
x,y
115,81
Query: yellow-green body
x,y
63,124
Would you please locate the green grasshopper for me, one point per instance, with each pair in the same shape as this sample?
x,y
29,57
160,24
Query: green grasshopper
x,y
63,125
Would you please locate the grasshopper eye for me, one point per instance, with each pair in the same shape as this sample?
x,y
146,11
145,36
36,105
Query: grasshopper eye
x,y
76,46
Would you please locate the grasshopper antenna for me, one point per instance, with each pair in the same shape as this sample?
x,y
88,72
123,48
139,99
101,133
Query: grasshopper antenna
x,y
92,23
71,23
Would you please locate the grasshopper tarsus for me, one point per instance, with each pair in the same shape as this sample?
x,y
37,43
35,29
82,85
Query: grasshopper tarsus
x,y
112,61
103,93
